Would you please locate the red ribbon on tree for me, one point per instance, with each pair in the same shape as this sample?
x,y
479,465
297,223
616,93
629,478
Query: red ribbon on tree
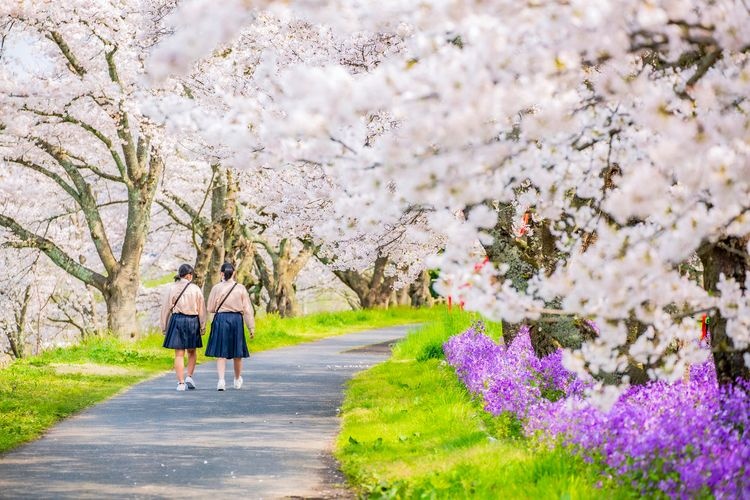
x,y
525,228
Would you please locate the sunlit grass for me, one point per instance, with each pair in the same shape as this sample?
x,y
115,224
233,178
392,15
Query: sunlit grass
x,y
161,280
411,430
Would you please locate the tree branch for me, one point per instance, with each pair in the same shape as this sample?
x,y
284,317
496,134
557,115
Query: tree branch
x,y
71,212
87,202
66,118
134,168
265,276
73,63
55,253
195,218
48,173
297,263
173,215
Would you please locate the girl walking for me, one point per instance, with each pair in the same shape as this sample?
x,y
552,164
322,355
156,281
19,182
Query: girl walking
x,y
183,321
231,304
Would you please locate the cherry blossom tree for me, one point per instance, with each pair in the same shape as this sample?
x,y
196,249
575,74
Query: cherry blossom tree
x,y
42,305
207,209
283,201
69,96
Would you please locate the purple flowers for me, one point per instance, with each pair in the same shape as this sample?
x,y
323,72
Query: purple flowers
x,y
683,439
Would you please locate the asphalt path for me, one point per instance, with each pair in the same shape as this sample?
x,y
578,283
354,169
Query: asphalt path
x,y
271,439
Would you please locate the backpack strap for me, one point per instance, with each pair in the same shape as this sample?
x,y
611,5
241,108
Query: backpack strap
x,y
179,296
225,297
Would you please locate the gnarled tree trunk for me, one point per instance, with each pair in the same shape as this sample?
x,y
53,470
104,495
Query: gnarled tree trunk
x,y
373,291
120,300
240,250
728,257
279,278
400,297
16,333
212,252
526,255
210,236
419,291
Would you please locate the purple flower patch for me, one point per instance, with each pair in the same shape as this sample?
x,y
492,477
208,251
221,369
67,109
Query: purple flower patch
x,y
683,439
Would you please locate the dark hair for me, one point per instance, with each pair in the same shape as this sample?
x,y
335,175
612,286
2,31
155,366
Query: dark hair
x,y
184,270
227,270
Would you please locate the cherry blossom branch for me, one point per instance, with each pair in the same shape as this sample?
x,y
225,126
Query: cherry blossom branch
x,y
73,63
92,130
48,173
86,200
173,215
27,239
68,318
71,212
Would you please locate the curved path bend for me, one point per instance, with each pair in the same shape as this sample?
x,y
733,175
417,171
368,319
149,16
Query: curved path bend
x,y
271,439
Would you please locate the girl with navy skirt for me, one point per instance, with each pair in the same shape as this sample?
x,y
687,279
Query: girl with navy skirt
x,y
233,312
183,321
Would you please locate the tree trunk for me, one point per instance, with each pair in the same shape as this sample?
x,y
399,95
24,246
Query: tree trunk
x,y
241,251
214,233
419,291
373,292
542,341
505,248
375,298
401,297
279,280
120,296
284,300
636,372
728,257
379,287
17,335
209,254
528,254
212,275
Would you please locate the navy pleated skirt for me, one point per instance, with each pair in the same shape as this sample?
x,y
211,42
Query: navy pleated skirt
x,y
227,339
183,332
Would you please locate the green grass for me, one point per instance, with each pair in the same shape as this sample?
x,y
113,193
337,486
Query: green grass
x,y
37,392
161,280
411,430
276,332
34,395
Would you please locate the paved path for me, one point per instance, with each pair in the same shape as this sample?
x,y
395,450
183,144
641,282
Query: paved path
x,y
272,439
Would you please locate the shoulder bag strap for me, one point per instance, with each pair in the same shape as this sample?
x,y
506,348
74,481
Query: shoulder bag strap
x,y
225,297
179,296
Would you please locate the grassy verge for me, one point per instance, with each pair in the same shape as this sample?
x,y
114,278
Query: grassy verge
x,y
411,430
37,392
